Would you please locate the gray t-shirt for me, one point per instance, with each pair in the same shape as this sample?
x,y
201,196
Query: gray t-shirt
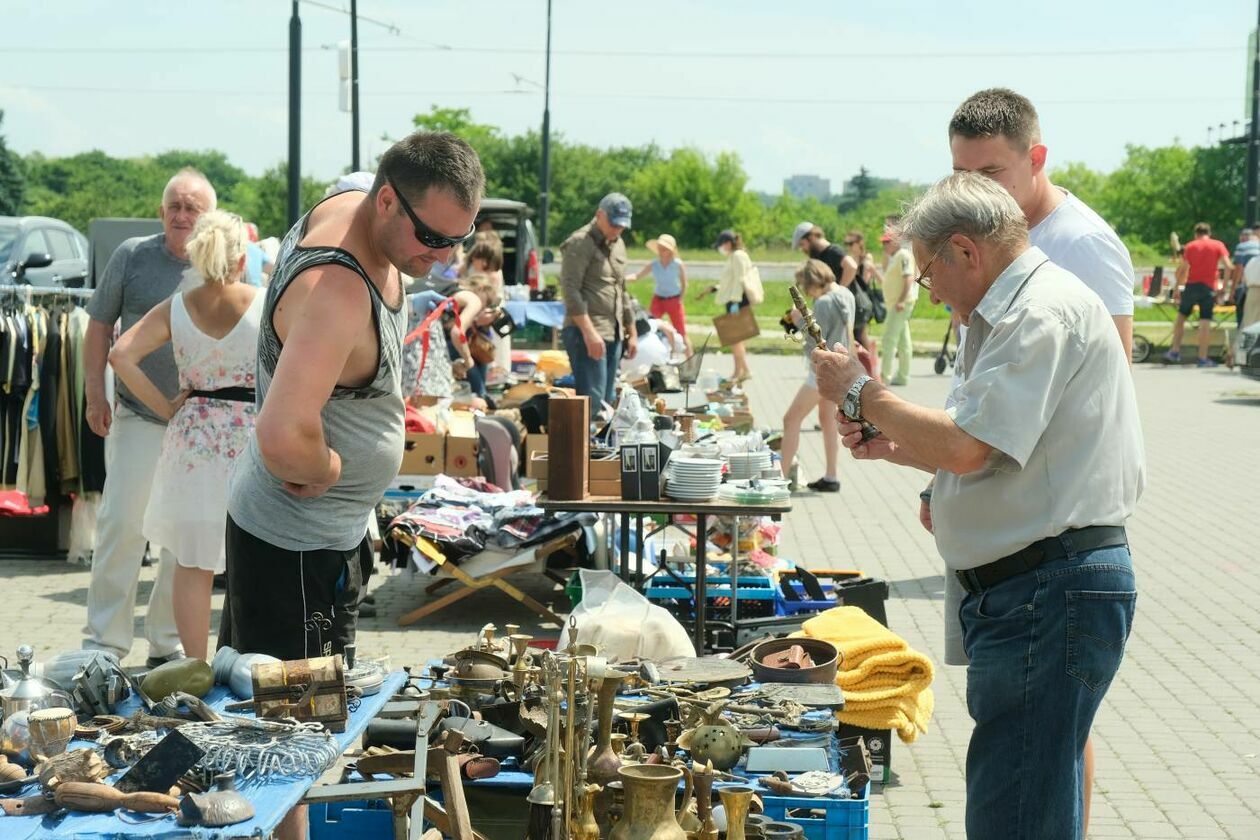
x,y
140,275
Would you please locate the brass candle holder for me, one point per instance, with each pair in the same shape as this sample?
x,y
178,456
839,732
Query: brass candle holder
x,y
815,333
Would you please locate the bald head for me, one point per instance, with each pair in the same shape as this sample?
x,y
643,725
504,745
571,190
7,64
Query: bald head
x,y
187,195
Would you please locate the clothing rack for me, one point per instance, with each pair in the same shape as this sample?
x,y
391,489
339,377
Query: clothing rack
x,y
29,292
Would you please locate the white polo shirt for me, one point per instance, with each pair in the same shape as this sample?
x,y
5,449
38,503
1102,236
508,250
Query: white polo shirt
x,y
1047,385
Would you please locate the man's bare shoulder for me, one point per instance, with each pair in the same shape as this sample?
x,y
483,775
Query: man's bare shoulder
x,y
332,288
331,223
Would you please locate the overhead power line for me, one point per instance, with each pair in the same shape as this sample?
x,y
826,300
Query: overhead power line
x,y
412,94
425,46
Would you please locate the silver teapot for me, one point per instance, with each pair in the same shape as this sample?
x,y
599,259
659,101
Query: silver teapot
x,y
30,692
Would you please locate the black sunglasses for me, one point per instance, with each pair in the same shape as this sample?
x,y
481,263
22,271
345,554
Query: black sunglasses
x,y
427,236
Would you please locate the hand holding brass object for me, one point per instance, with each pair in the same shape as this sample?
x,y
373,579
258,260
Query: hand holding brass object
x,y
815,333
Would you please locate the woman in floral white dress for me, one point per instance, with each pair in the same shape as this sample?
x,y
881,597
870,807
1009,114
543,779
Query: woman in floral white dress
x,y
213,328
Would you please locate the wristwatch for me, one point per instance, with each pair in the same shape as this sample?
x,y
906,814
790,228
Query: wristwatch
x,y
852,405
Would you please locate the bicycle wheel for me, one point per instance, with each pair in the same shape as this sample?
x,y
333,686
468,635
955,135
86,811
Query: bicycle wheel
x,y
1141,349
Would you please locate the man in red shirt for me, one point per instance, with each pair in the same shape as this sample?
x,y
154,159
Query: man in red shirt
x,y
1198,272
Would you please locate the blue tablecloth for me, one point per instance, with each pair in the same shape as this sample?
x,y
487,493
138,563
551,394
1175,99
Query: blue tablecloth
x,y
271,799
549,313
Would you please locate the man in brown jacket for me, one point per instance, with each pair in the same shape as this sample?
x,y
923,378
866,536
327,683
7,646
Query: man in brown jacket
x,y
598,319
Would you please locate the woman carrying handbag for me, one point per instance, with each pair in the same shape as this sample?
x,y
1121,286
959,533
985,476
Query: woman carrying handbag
x,y
738,288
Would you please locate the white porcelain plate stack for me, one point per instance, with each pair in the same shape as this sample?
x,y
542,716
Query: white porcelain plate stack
x,y
693,479
746,465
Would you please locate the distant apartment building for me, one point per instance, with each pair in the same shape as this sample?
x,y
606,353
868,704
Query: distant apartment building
x,y
808,186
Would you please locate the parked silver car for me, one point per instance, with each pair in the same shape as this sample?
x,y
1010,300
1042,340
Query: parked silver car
x,y
1248,356
39,251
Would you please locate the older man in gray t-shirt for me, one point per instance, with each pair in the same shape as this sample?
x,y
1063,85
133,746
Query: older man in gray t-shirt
x,y
142,273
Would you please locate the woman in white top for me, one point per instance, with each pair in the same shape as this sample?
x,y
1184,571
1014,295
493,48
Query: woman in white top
x,y
732,291
213,329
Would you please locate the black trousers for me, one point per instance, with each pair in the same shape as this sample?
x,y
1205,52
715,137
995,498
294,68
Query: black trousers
x,y
291,604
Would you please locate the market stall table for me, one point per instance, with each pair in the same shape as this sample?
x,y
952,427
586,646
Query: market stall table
x,y
666,507
272,798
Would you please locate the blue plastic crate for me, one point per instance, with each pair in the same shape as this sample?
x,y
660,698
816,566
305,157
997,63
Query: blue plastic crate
x,y
355,820
840,819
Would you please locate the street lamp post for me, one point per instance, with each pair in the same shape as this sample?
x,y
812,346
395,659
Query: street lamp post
x,y
1253,138
544,197
295,115
354,85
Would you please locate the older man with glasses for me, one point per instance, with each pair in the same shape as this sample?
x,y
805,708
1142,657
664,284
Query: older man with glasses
x,y
1039,463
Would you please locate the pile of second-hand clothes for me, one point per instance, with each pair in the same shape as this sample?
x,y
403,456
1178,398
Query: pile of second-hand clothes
x,y
463,516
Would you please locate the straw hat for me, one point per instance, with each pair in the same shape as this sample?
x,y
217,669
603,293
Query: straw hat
x,y
663,241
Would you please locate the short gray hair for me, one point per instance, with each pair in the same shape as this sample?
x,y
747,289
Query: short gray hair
x,y
966,203
192,175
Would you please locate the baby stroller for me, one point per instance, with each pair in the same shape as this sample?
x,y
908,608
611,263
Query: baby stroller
x,y
946,357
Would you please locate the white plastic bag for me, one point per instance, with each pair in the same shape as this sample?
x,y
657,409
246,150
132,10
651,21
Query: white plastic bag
x,y
625,625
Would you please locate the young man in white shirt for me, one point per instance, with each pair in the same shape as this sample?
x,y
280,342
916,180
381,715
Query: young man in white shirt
x,y
997,133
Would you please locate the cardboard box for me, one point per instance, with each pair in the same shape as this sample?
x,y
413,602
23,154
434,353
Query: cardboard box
x,y
608,469
461,457
879,743
535,443
423,454
605,487
536,467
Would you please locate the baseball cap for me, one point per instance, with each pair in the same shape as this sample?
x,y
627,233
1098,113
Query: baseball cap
x,y
724,237
617,208
802,231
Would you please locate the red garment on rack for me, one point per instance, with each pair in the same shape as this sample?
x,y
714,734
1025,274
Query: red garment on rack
x,y
14,503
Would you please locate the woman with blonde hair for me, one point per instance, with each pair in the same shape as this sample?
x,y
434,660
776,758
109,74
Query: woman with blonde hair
x,y
833,307
213,329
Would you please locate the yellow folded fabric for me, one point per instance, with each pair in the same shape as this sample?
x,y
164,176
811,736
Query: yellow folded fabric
x,y
886,684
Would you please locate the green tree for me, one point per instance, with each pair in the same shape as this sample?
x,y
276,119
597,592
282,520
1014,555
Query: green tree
x,y
1081,181
694,198
12,178
265,200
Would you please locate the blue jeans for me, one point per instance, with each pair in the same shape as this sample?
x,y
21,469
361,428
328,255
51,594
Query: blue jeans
x,y
1044,646
595,378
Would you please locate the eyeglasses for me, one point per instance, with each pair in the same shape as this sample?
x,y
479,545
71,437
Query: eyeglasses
x,y
427,236
923,279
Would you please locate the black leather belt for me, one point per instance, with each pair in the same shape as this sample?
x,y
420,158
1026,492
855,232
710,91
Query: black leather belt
x,y
235,394
1074,541
668,297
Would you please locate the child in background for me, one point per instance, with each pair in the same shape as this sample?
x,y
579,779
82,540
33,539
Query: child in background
x,y
486,257
834,308
670,276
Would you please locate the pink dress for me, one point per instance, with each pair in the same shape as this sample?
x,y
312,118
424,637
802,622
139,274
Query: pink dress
x,y
187,509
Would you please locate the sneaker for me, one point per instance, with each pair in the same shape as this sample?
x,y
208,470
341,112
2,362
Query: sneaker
x,y
367,609
1172,358
900,383
154,661
1207,363
824,485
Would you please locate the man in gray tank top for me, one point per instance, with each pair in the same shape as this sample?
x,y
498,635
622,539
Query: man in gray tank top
x,y
329,437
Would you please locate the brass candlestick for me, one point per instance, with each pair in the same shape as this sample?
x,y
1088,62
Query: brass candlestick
x,y
815,332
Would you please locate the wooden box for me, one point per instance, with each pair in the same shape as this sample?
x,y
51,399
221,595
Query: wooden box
x,y
305,689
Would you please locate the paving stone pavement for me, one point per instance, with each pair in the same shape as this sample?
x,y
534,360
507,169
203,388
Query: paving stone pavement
x,y
1178,737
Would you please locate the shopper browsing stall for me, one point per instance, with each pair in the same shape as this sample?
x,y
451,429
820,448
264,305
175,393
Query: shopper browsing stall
x,y
141,274
833,310
1028,512
669,277
213,329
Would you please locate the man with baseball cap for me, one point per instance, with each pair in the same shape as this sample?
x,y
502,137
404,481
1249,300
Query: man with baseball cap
x,y
598,317
809,238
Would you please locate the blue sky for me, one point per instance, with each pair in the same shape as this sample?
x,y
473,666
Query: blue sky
x,y
792,87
